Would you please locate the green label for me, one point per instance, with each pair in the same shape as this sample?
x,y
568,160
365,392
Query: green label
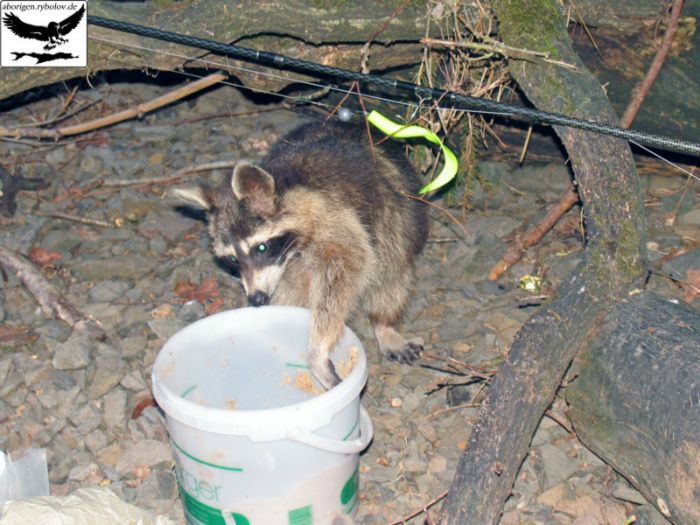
x,y
301,516
198,513
348,496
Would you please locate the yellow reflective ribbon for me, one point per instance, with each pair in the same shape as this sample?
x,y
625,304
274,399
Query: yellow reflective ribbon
x,y
402,131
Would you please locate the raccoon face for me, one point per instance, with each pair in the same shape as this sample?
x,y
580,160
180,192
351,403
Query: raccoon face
x,y
260,262
245,227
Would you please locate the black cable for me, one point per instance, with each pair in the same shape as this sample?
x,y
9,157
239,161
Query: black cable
x,y
457,100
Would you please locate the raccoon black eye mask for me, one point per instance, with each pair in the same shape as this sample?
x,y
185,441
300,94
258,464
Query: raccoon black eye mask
x,y
320,222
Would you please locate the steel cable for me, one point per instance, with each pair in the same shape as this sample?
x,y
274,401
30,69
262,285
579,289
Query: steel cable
x,y
424,93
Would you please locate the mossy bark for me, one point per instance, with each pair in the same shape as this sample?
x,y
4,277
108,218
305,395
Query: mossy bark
x,y
547,343
636,400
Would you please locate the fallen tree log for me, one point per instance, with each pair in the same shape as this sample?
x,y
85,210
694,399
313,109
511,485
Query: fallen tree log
x,y
335,37
547,343
636,401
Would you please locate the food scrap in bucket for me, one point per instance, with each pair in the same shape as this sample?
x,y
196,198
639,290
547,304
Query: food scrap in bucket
x,y
303,381
345,367
230,404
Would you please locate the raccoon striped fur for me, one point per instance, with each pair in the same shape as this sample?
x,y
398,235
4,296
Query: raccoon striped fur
x,y
324,222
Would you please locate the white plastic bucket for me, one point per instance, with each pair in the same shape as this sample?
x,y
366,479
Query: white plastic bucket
x,y
251,446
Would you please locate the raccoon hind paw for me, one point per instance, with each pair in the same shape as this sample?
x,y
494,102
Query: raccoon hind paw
x,y
408,355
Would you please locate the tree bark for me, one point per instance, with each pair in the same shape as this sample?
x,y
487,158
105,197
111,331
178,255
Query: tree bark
x,y
544,347
334,37
636,401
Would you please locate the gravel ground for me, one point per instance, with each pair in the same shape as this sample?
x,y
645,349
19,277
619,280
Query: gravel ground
x,y
147,272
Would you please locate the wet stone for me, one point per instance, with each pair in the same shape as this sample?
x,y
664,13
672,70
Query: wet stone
x,y
166,327
108,373
122,267
161,484
86,418
13,380
115,408
74,353
556,464
132,346
96,440
106,291
170,226
148,452
134,381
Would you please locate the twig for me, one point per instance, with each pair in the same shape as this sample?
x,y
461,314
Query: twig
x,y
364,52
433,205
423,509
516,250
561,420
499,48
469,404
75,218
120,116
478,372
641,90
52,302
223,164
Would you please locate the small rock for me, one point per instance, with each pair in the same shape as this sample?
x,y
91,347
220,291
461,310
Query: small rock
x,y
133,346
556,465
151,425
171,226
74,353
82,472
437,464
191,311
107,291
148,452
692,218
115,408
96,441
122,267
134,381
5,367
86,418
166,327
161,484
624,492
108,373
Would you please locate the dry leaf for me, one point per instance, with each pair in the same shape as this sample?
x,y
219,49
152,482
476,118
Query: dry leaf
x,y
42,256
16,335
207,291
214,306
141,406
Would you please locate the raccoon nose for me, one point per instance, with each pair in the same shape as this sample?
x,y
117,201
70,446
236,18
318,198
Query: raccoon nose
x,y
258,299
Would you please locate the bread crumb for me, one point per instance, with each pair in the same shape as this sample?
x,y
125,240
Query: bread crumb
x,y
305,383
345,367
230,404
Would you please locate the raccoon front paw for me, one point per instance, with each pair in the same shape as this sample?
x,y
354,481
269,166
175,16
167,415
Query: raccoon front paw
x,y
325,373
407,355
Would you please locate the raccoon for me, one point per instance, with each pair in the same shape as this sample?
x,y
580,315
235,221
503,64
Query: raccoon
x,y
323,222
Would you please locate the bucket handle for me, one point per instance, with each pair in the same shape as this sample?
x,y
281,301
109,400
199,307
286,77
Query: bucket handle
x,y
338,446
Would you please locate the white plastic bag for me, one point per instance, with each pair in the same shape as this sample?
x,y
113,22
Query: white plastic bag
x,y
25,478
90,506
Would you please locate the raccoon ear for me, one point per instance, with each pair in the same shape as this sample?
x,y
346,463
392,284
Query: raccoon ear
x,y
256,185
195,196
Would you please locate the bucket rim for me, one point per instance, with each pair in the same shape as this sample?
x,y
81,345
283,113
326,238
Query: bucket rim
x,y
306,416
